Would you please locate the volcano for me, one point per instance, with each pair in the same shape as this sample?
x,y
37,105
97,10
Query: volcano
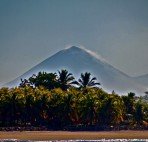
x,y
78,60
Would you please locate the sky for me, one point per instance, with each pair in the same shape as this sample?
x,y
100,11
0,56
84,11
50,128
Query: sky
x,y
33,30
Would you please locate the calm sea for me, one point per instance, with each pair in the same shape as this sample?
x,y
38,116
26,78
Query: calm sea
x,y
99,140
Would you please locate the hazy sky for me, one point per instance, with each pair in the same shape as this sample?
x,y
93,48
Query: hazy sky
x,y
32,30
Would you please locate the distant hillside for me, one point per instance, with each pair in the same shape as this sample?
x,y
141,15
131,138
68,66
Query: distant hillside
x,y
142,79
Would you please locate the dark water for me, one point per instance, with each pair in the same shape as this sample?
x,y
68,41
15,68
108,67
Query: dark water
x,y
99,140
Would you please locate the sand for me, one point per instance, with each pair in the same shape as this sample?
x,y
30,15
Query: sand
x,y
66,135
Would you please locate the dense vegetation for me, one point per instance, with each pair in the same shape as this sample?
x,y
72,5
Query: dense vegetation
x,y
57,101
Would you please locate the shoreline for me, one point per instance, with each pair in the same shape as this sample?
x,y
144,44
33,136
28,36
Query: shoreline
x,y
68,135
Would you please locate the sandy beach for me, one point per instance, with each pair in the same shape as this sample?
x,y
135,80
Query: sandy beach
x,y
66,135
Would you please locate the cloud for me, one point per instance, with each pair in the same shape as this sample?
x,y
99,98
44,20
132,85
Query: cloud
x,y
99,57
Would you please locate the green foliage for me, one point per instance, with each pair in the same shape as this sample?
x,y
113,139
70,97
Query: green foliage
x,y
51,100
48,80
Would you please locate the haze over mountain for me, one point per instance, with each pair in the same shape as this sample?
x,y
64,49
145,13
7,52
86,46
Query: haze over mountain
x,y
143,79
77,60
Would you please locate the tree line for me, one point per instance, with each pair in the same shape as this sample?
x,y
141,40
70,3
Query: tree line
x,y
58,101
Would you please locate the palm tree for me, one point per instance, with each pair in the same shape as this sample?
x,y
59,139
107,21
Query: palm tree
x,y
41,105
29,109
129,103
4,106
87,108
139,114
86,81
65,79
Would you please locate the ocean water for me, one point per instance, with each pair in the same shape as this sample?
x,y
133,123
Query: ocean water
x,y
99,140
